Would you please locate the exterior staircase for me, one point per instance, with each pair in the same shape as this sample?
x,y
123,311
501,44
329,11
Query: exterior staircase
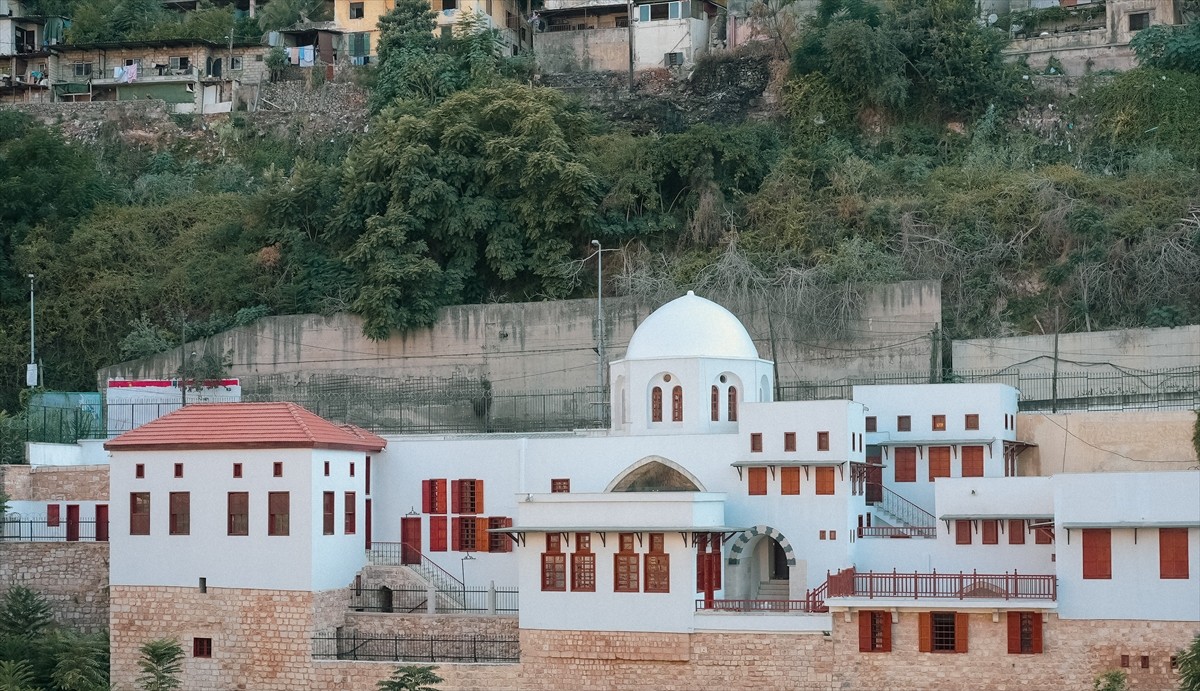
x,y
903,518
449,589
774,590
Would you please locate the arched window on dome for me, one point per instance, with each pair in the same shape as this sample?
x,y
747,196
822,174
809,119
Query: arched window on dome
x,y
656,404
716,403
677,404
733,403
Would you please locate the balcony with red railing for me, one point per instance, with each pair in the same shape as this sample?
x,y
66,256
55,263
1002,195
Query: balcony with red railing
x,y
945,586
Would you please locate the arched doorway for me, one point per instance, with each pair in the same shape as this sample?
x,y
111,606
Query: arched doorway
x,y
763,566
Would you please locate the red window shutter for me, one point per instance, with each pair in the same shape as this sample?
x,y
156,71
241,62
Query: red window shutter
x,y
991,532
1016,532
483,539
961,621
439,496
506,541
789,481
327,513
437,533
479,496
456,533
864,631
656,404
367,479
1014,633
925,632
716,403
962,532
427,496
886,624
456,497
758,481
677,404
1097,553
939,462
972,461
825,481
52,516
1173,553
733,404
906,464
1037,632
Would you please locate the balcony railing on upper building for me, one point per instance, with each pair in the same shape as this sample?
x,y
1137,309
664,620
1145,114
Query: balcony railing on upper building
x,y
953,586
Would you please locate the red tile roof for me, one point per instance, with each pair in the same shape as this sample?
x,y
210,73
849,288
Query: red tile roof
x,y
245,426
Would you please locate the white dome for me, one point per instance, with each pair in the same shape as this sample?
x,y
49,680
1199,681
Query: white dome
x,y
690,327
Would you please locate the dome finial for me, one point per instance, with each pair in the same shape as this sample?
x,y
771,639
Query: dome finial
x,y
691,292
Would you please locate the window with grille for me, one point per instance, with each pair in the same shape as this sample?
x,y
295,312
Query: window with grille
x,y
677,404
238,513
499,542
465,527
658,565
201,647
943,631
554,564
656,403
583,565
1139,21
433,496
625,566
139,513
467,496
278,513
733,404
716,404
874,631
560,485
1024,633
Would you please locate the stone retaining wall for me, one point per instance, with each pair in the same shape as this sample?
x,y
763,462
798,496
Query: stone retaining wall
x,y
72,576
69,483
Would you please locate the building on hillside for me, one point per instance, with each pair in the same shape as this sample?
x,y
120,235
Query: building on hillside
x,y
25,42
190,75
359,19
710,535
595,35
1092,37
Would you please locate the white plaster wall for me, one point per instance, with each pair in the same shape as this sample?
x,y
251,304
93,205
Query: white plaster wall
x,y
84,452
253,561
336,558
652,40
1111,499
696,376
991,497
941,554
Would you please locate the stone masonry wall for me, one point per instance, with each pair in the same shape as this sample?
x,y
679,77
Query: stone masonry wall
x,y
329,611
14,482
69,483
421,625
73,577
1075,652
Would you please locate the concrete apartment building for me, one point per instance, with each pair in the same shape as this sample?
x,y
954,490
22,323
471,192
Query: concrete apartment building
x,y
711,536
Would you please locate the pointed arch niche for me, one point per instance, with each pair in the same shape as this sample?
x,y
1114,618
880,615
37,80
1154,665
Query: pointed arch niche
x,y
655,474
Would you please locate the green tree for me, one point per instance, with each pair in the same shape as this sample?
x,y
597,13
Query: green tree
x,y
160,665
1189,659
280,14
24,613
81,663
1168,47
145,338
16,675
411,678
410,66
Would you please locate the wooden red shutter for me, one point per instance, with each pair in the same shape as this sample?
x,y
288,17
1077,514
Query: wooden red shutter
x,y
479,496
506,541
483,539
991,532
52,516
456,533
367,479
925,632
426,496
864,631
456,496
1037,632
885,623
439,496
1173,553
962,532
1014,633
758,481
961,620
716,403
437,533
1016,532
1097,553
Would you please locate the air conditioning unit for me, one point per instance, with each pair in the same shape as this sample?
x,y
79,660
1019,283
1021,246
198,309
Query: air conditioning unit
x,y
673,59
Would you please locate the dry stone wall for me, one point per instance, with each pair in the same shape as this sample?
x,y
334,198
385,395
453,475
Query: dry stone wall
x,y
72,576
69,483
439,626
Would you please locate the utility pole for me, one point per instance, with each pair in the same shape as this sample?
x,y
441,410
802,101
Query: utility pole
x,y
631,48
599,315
1054,370
183,359
31,372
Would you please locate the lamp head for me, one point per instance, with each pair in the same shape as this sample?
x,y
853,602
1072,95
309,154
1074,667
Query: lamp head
x,y
595,243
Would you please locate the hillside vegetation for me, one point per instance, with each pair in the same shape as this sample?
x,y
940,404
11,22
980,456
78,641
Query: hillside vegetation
x,y
906,148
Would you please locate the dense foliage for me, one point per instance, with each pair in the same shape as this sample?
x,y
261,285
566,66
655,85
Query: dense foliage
x,y
1036,211
36,654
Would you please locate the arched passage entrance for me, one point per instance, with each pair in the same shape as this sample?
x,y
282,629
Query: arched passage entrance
x,y
763,566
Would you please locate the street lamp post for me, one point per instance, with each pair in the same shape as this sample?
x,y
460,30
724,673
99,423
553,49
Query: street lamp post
x,y
463,565
599,314
31,372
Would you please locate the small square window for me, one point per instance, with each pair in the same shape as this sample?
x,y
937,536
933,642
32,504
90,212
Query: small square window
x,y
237,469
560,485
756,441
1145,662
939,423
201,647
971,421
1139,21
822,535
235,63
1124,660
277,469
178,470
903,423
822,441
356,10
871,423
833,535
139,470
789,441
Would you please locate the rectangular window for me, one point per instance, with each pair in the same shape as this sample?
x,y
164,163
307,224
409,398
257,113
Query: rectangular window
x,y
53,515
235,63
326,468
757,480
499,542
1173,553
463,533
351,468
180,513
971,421
942,632
962,532
625,566
991,532
825,482
433,496
822,441
1024,633
939,423
554,565
658,565
789,481
179,62
1097,553
83,69
874,631
972,461
1139,21
466,496
903,423
789,441
237,470
939,462
437,533
1016,532
238,518
277,469
356,10
560,485
1043,535
583,565
278,513
201,647
139,470
871,423
755,437
328,511
906,464
350,511
367,479
139,513
178,470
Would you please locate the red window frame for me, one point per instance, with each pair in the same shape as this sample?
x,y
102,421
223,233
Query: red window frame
x,y
180,513
825,481
789,441
499,542
932,634
53,515
972,461
279,509
756,481
1043,535
938,423
583,565
822,441
1097,553
1173,553
656,402
971,421
350,512
756,442
554,565
657,565
939,462
991,532
677,404
962,532
560,485
1016,531
789,481
437,533
277,469
237,514
201,647
433,496
139,513
237,470
733,404
874,631
903,423
871,423
328,511
326,468
716,403
139,470
906,463
1024,633
626,566
178,470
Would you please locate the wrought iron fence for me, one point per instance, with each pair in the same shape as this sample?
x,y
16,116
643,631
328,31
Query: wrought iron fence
x,y
960,586
417,648
17,528
416,601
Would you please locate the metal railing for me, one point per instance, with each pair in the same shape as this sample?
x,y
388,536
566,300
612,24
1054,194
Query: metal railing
x,y
416,601
400,554
897,531
904,510
417,648
957,586
806,606
16,528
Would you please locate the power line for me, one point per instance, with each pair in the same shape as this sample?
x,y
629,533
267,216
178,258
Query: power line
x,y
1107,451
